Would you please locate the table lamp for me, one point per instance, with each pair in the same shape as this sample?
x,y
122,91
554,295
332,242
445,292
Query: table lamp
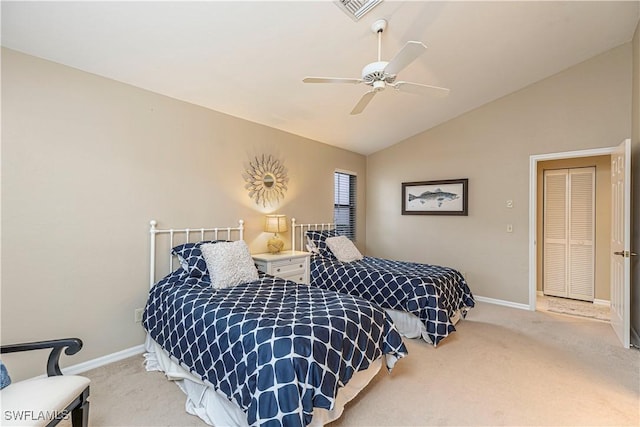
x,y
275,224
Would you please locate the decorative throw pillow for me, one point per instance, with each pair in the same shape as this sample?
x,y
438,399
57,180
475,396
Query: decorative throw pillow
x,y
190,257
5,379
229,263
316,241
343,249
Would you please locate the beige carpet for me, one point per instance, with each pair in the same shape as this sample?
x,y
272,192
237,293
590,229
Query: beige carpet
x,y
502,367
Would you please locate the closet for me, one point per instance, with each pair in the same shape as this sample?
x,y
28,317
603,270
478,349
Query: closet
x,y
569,233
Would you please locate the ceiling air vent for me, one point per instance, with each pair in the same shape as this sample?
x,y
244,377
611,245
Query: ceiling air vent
x,y
356,9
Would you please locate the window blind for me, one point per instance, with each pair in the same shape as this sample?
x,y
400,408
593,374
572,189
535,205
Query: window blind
x,y
344,207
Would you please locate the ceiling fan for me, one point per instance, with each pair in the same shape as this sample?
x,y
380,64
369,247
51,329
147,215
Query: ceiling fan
x,y
381,74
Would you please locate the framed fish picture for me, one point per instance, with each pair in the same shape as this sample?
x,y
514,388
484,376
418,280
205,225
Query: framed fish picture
x,y
444,197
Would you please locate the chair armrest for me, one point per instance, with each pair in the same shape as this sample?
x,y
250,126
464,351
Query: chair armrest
x,y
72,345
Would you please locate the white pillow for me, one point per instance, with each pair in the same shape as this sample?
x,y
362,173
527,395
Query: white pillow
x,y
229,263
343,249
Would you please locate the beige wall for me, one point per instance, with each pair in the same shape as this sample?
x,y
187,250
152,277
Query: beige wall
x,y
586,106
635,162
602,240
87,162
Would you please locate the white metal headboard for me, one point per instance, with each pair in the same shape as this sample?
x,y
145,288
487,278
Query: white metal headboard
x,y
300,229
186,235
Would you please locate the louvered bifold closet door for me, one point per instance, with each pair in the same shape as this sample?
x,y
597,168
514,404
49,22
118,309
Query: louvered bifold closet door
x,y
569,230
555,225
581,233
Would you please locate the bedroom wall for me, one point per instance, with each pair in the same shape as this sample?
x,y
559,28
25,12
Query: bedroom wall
x,y
586,106
87,162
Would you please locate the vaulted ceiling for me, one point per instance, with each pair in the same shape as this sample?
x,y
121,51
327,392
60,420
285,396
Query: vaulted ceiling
x,y
248,58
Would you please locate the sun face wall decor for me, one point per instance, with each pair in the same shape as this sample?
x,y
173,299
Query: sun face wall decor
x,y
266,180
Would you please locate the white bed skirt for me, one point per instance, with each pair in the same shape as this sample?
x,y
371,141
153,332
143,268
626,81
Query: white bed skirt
x,y
215,409
410,325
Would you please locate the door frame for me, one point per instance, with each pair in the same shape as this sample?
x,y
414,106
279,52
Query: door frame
x,y
533,207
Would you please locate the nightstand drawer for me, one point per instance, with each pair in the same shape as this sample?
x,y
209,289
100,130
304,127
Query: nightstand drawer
x,y
298,277
288,266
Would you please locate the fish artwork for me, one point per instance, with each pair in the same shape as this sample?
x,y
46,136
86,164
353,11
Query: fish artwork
x,y
437,196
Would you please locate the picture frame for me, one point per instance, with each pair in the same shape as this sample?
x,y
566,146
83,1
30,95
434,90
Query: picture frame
x,y
443,197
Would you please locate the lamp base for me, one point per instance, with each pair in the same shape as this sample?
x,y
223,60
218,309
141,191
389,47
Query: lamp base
x,y
275,245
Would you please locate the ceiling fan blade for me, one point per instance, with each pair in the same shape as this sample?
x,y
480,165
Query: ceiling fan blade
x,y
420,89
330,80
405,56
364,101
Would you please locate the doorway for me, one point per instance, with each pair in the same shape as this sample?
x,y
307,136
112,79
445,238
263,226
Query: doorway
x,y
619,234
575,265
601,160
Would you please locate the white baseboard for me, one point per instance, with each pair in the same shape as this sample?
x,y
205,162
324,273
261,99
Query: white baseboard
x,y
101,361
502,302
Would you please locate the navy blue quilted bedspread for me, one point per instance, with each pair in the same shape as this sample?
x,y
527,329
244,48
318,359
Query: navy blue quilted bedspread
x,y
276,348
431,292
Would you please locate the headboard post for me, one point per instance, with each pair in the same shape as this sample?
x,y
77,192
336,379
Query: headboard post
x,y
293,234
152,261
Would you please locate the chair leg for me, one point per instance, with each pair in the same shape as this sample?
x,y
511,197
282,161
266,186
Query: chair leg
x,y
80,414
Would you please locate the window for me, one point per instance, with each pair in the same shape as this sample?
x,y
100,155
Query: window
x,y
344,207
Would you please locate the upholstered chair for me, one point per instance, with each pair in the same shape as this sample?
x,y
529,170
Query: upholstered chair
x,y
45,401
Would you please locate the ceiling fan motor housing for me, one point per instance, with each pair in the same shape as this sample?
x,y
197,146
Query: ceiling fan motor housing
x,y
374,72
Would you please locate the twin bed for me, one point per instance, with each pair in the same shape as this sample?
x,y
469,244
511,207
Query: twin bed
x,y
265,352
252,349
423,300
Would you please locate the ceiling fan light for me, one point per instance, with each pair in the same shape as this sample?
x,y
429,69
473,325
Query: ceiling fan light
x,y
379,85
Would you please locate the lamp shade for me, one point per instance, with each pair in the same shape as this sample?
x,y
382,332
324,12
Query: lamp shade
x,y
275,223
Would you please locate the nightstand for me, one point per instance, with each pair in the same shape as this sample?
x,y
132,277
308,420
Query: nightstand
x,y
290,265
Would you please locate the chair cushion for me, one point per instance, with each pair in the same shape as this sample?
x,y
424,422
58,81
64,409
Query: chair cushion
x,y
36,402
